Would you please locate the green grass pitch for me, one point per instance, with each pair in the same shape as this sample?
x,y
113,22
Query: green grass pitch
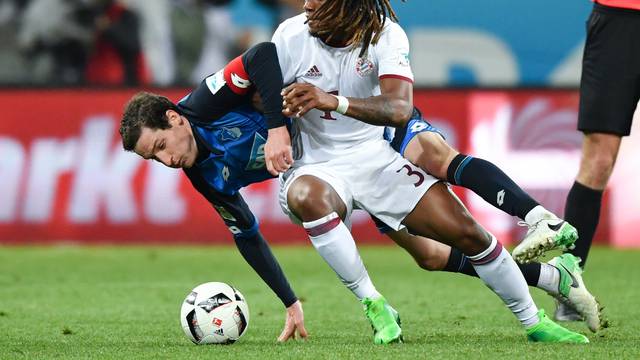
x,y
123,303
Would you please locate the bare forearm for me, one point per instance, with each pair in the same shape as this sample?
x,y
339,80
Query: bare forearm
x,y
380,110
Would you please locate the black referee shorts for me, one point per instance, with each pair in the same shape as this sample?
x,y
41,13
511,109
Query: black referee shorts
x,y
610,85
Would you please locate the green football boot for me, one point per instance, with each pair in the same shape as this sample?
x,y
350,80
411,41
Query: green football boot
x,y
546,234
384,320
548,331
573,292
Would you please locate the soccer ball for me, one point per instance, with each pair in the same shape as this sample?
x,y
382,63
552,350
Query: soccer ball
x,y
214,313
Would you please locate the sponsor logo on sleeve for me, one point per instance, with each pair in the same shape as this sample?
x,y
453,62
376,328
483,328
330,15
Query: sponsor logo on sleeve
x,y
215,82
404,59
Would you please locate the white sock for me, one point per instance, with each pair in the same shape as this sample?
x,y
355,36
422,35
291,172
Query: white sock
x,y
549,280
332,239
538,213
501,274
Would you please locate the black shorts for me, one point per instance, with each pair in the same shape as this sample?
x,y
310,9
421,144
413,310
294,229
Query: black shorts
x,y
610,85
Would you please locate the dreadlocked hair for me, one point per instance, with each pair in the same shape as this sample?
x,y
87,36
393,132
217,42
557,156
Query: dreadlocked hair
x,y
361,20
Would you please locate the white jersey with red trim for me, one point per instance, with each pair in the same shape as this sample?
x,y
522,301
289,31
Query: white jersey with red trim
x,y
320,136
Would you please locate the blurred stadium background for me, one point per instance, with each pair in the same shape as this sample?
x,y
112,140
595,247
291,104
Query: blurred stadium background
x,y
499,78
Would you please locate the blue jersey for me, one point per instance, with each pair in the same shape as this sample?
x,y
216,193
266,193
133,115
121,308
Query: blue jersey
x,y
235,143
230,137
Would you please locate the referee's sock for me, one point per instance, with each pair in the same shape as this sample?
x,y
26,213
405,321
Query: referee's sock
x,y
492,184
583,212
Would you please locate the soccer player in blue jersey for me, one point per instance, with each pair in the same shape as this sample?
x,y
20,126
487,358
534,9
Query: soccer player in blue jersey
x,y
215,135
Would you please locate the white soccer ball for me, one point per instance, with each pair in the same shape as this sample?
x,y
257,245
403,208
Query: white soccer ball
x,y
214,313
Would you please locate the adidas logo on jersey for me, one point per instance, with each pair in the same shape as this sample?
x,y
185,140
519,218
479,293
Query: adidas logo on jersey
x,y
313,72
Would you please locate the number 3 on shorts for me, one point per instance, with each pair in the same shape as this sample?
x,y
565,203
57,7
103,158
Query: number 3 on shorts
x,y
411,172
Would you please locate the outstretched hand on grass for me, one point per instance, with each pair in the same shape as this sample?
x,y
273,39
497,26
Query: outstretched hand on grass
x,y
294,323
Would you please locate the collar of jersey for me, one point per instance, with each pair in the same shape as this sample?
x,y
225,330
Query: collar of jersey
x,y
204,148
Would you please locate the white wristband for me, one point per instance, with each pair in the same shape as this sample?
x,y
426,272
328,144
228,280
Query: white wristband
x,y
343,104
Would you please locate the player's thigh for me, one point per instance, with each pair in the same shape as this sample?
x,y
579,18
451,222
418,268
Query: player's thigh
x,y
309,193
428,253
430,152
424,145
441,216
386,185
310,198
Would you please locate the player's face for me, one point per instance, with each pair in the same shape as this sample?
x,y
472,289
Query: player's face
x,y
310,6
175,147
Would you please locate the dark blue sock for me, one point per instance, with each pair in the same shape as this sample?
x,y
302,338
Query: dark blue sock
x,y
493,185
583,211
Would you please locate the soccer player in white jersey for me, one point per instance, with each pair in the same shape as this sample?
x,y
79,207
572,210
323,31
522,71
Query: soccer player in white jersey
x,y
342,163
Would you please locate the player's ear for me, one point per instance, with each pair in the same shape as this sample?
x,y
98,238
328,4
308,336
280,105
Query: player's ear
x,y
173,117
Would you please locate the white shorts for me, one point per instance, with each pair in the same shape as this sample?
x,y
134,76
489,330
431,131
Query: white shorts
x,y
375,179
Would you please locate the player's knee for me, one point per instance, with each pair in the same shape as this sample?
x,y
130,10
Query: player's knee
x,y
310,200
472,239
437,154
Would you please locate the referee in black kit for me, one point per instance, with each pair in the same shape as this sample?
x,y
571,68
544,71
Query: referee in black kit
x,y
609,94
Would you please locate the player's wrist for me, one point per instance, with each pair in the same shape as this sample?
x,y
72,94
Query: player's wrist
x,y
278,129
343,104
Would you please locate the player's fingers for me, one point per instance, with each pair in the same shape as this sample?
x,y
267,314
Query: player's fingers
x,y
303,332
281,163
297,93
288,89
305,108
295,102
286,333
270,168
292,94
297,106
286,111
288,156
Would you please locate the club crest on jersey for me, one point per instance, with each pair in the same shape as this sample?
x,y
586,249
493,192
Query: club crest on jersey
x,y
364,67
227,134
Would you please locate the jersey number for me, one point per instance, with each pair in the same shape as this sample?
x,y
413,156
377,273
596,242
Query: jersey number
x,y
411,172
327,114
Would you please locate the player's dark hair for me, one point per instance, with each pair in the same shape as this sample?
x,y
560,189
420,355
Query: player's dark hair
x,y
144,110
361,21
